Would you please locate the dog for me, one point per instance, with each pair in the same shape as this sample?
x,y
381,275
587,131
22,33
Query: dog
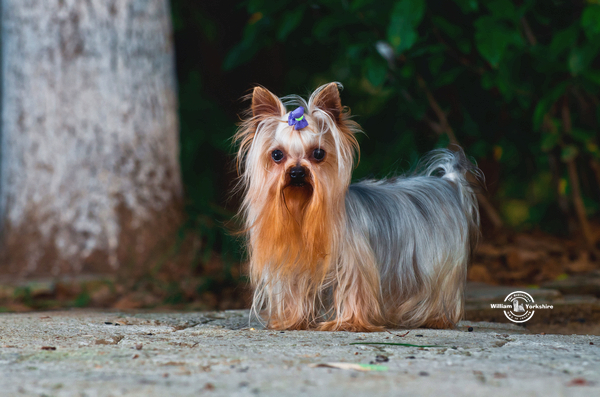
x,y
329,255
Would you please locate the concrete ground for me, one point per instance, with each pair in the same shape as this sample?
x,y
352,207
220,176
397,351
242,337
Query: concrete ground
x,y
86,353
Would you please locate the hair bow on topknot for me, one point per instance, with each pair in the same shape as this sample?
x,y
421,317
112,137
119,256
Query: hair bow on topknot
x,y
297,119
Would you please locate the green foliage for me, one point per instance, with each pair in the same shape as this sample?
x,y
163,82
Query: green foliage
x,y
405,18
590,21
82,300
205,129
505,74
493,36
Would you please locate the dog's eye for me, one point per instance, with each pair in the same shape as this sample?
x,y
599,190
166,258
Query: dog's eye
x,y
319,154
277,155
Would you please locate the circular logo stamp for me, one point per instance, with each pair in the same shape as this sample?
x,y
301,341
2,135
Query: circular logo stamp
x,y
521,306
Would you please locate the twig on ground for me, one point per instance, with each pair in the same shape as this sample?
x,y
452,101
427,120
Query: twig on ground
x,y
399,336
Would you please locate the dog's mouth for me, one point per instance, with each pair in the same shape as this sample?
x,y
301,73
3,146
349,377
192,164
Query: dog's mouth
x,y
297,183
297,191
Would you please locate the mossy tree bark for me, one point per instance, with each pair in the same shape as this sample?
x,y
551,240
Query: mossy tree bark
x,y
89,173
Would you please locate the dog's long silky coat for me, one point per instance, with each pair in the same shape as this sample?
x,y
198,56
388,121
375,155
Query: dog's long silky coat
x,y
328,255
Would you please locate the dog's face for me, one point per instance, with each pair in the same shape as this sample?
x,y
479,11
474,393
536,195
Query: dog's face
x,y
299,163
279,160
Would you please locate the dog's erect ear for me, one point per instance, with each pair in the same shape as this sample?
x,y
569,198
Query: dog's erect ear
x,y
327,98
264,103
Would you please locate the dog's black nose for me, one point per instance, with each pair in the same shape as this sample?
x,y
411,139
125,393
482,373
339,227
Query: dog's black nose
x,y
297,173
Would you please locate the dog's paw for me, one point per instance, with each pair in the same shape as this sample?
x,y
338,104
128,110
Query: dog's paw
x,y
349,326
280,325
440,323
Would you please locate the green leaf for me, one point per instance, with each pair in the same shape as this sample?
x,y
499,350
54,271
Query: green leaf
x,y
408,70
406,16
448,76
540,111
583,136
467,6
358,4
464,45
376,70
469,126
356,51
505,79
453,31
581,57
562,40
238,55
289,22
82,300
488,80
590,21
549,141
569,153
593,76
443,141
502,9
326,25
493,37
479,149
243,51
435,63
267,7
546,102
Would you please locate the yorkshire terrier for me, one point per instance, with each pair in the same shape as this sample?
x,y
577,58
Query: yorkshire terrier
x,y
329,255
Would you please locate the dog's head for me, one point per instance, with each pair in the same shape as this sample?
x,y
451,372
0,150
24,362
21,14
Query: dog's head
x,y
277,159
295,168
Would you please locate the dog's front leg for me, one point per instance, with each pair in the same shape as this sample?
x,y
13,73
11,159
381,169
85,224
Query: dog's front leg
x,y
357,292
289,303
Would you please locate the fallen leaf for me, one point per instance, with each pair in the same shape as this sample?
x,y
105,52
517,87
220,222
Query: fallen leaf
x,y
579,382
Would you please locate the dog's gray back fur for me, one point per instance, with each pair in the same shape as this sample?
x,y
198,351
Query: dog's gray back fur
x,y
422,229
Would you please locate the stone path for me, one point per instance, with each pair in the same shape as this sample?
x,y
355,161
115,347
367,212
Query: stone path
x,y
85,353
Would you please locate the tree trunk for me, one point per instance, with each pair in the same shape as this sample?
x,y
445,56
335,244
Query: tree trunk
x,y
89,173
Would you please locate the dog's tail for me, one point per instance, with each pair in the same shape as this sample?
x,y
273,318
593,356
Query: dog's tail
x,y
468,179
453,168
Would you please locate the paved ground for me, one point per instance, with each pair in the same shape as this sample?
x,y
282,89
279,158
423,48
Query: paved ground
x,y
83,353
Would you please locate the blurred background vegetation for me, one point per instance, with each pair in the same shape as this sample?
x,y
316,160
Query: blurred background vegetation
x,y
515,83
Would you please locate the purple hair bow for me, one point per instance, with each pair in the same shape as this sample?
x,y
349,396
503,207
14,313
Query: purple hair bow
x,y
297,119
